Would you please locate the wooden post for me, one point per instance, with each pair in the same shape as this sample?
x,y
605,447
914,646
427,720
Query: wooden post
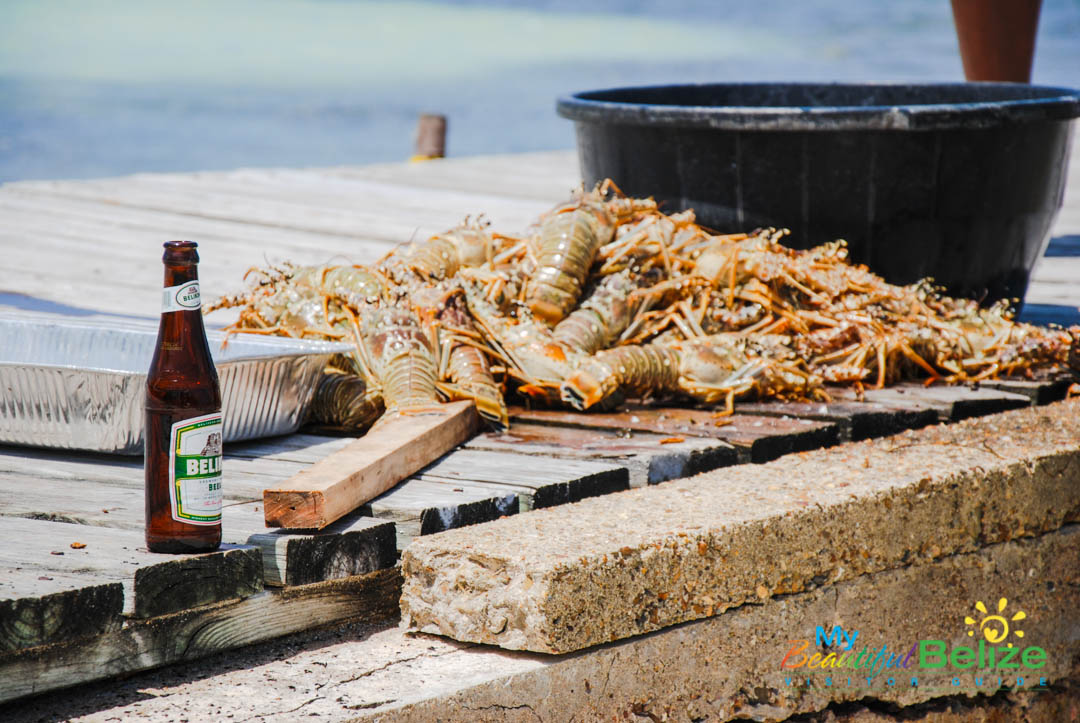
x,y
997,38
390,452
430,137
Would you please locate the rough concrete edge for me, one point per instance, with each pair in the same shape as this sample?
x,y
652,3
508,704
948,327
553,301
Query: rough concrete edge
x,y
514,608
522,696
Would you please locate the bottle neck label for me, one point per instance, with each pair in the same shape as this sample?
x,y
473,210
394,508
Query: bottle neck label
x,y
195,469
184,297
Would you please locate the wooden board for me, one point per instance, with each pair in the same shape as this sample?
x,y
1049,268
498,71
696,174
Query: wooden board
x,y
856,420
546,176
442,497
40,607
353,545
367,467
193,634
648,458
951,403
421,507
89,502
910,406
301,448
144,192
154,584
1040,392
469,486
246,477
441,208
758,439
537,482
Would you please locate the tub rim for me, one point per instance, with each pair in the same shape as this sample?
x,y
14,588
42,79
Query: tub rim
x,y
1051,104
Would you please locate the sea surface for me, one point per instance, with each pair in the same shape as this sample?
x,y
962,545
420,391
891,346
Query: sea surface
x,y
94,88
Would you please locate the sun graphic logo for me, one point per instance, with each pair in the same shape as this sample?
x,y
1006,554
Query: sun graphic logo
x,y
995,628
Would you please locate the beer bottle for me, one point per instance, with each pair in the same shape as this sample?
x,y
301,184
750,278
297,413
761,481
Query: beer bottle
x,y
183,435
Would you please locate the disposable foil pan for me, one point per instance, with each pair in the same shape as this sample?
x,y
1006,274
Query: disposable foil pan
x,y
74,384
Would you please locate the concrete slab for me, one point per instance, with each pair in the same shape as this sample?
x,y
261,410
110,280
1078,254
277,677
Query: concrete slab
x,y
607,568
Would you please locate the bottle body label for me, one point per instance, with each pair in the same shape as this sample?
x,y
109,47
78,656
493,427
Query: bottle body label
x,y
184,297
195,469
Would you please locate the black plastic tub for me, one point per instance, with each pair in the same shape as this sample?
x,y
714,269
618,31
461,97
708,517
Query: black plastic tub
x,y
959,182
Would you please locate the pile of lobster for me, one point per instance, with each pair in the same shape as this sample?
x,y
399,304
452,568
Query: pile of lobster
x,y
606,297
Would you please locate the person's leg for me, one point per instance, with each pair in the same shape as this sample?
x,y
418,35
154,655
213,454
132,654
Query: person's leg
x,y
997,38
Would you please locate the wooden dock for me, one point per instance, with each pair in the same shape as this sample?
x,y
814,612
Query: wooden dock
x,y
81,598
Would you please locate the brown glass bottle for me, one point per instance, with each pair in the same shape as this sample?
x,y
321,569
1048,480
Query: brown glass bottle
x,y
183,437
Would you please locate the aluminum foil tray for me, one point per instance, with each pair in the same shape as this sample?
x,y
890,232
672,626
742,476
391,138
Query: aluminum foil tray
x,y
73,384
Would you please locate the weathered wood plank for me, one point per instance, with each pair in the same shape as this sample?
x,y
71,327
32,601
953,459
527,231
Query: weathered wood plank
x,y
649,458
538,482
39,607
42,237
389,201
27,279
211,199
89,216
354,545
546,176
88,502
759,439
1039,392
857,420
424,507
139,255
191,581
193,634
154,584
1060,269
910,406
299,447
951,403
367,467
965,402
351,546
245,476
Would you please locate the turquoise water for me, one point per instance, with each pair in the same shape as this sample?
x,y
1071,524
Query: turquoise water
x,y
94,88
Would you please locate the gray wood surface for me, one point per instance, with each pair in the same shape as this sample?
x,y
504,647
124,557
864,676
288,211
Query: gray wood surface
x,y
246,478
92,502
537,482
1039,392
193,634
757,439
354,545
40,607
423,507
648,458
154,584
1054,279
856,420
540,176
951,404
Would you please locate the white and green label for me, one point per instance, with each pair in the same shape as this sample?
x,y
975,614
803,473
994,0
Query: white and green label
x,y
181,298
195,470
